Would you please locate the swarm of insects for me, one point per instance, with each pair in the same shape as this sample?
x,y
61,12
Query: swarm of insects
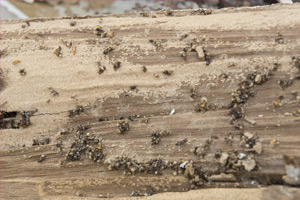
x,y
77,111
98,30
155,137
87,144
202,12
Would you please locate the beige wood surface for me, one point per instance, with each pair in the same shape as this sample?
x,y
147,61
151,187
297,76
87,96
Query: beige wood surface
x,y
240,42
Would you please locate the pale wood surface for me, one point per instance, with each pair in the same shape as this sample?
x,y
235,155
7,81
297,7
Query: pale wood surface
x,y
245,37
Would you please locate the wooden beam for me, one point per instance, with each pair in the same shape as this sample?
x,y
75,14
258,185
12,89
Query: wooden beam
x,y
195,94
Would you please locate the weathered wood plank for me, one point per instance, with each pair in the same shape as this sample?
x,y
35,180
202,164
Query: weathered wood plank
x,y
240,42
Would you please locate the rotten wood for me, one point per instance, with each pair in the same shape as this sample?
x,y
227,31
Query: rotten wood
x,y
161,116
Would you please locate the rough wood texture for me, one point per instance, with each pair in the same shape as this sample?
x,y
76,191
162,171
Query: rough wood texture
x,y
239,42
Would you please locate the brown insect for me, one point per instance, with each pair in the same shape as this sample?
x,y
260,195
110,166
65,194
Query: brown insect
x,y
22,72
144,68
116,65
123,127
16,62
58,52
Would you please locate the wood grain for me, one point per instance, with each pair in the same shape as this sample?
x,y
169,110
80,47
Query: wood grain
x,y
239,41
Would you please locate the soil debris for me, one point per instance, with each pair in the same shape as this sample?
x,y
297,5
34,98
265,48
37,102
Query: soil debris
x,y
194,174
224,158
258,148
292,171
222,178
201,53
250,121
15,120
249,164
